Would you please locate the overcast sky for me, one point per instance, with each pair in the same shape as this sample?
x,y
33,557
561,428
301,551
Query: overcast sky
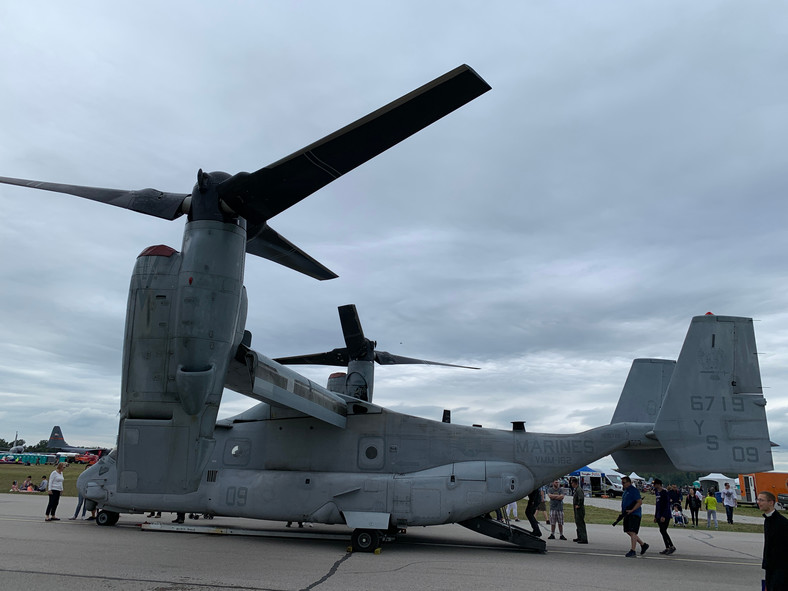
x,y
627,171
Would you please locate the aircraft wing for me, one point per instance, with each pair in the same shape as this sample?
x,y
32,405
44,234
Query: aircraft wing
x,y
258,377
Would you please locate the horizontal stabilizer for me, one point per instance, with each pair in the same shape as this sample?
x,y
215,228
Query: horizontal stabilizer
x,y
713,416
643,460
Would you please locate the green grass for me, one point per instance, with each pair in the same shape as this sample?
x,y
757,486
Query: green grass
x,y
11,472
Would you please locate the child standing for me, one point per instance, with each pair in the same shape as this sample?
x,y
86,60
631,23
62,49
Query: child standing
x,y
711,509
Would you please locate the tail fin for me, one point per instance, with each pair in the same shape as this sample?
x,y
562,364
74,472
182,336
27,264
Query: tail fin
x,y
643,391
640,402
713,417
56,440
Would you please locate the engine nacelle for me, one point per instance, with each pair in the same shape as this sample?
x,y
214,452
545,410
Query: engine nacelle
x,y
186,316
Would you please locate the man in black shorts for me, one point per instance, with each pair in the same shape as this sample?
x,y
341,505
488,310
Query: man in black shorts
x,y
630,508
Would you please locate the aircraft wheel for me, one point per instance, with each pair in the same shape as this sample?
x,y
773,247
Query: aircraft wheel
x,y
107,518
365,540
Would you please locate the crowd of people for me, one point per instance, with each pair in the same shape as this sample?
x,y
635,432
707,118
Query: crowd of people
x,y
28,486
669,503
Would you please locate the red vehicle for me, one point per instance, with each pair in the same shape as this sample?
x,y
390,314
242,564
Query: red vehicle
x,y
86,458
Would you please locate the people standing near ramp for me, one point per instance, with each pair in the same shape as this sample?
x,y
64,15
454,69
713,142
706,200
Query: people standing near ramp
x,y
511,510
775,544
542,505
710,502
729,501
579,504
535,498
693,503
556,510
81,504
54,489
630,508
662,515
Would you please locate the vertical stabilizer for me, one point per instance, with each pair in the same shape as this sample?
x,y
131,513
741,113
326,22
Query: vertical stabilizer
x,y
56,440
640,402
713,416
643,391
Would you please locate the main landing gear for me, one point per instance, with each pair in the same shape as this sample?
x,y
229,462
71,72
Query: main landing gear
x,y
370,540
366,540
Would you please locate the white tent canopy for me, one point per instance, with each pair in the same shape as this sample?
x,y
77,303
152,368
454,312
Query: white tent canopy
x,y
715,480
633,477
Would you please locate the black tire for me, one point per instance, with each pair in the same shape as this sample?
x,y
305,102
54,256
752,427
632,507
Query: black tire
x,y
365,540
107,518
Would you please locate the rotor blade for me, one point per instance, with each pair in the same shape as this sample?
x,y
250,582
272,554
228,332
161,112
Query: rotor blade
x,y
270,245
338,357
386,358
351,329
261,195
148,201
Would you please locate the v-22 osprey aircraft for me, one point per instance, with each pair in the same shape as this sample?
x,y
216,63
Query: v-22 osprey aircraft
x,y
329,454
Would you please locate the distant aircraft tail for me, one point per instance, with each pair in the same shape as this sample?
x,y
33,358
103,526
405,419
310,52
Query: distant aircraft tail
x,y
56,440
707,408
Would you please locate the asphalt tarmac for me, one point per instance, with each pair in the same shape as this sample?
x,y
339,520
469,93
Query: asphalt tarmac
x,y
79,555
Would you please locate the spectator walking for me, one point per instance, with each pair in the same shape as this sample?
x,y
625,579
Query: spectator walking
x,y
662,515
775,544
674,494
729,501
630,508
693,503
534,499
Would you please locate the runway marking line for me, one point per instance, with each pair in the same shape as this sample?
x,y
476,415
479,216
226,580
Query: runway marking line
x,y
672,559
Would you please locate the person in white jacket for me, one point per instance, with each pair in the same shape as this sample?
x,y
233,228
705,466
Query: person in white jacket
x,y
54,489
729,500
